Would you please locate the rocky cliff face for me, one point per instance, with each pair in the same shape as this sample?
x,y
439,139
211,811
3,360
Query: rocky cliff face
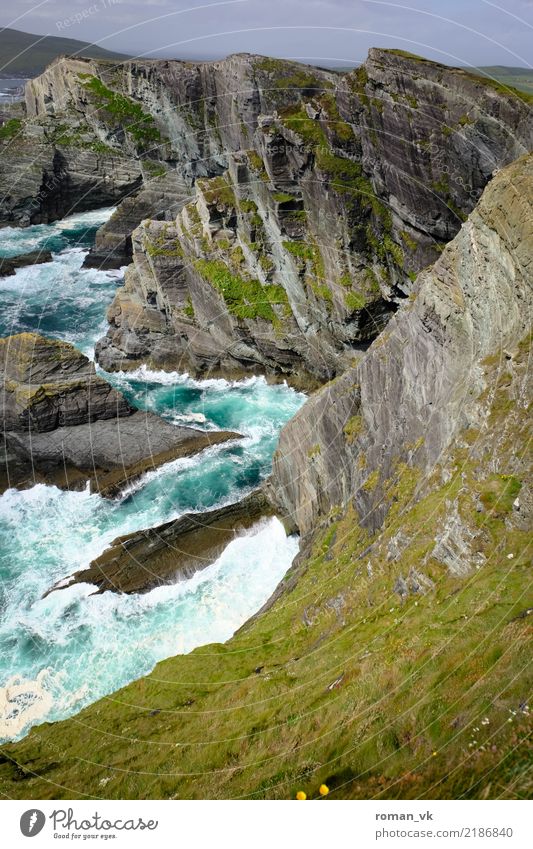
x,y
420,382
376,668
299,204
338,189
52,167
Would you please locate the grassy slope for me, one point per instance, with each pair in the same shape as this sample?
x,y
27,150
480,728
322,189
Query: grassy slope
x,y
24,53
339,681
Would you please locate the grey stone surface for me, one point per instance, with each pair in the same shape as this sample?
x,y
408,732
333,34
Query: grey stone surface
x,y
417,385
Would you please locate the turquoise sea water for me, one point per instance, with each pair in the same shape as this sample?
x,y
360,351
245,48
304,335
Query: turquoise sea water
x,y
60,653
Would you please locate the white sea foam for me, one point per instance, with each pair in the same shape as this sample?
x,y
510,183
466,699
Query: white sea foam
x,y
107,640
18,240
63,651
144,374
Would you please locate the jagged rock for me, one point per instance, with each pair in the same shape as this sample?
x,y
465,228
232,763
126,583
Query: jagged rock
x,y
161,197
110,454
174,551
63,424
9,265
47,384
418,384
416,583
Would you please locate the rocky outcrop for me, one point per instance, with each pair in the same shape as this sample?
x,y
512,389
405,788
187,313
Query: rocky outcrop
x,y
171,552
163,194
64,424
9,265
47,384
418,384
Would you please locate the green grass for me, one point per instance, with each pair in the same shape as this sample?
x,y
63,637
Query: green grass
x,y
307,252
283,197
339,681
501,87
245,298
217,190
518,78
162,244
354,301
154,169
10,129
335,123
295,118
353,428
139,124
247,206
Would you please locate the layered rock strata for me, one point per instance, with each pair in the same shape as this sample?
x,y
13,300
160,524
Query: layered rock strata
x,y
63,424
419,383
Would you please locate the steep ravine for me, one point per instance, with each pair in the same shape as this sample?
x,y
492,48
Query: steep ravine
x,y
392,660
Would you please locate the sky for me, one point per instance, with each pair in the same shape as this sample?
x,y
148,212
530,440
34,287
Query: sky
x,y
330,32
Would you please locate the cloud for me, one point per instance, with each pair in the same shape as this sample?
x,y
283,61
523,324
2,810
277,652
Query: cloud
x,y
341,31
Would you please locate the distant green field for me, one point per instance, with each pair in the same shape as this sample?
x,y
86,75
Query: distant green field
x,y
520,78
26,55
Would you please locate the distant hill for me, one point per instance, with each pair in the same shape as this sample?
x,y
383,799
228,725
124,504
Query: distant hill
x,y
23,54
520,78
